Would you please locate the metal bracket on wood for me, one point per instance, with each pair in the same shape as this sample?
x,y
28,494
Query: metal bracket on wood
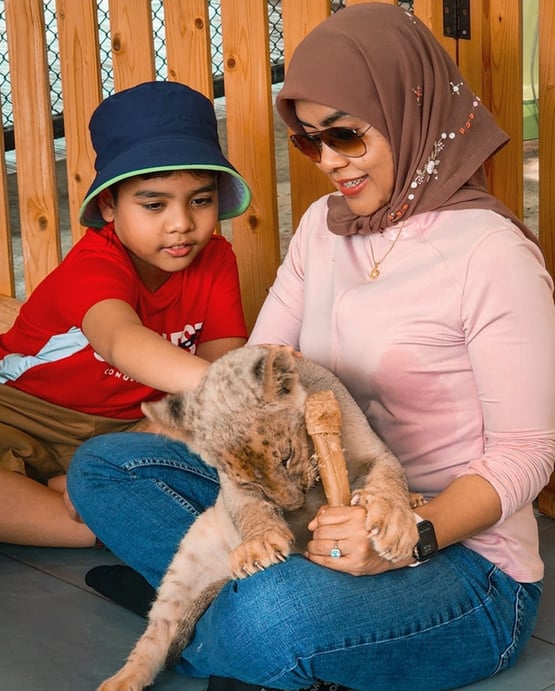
x,y
456,18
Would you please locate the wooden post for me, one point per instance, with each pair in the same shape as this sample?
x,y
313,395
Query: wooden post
x,y
431,13
472,55
307,182
251,145
491,61
505,100
80,68
187,28
7,281
36,172
9,309
546,499
546,136
132,42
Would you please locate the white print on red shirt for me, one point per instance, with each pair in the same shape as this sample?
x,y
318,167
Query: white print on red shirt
x,y
186,338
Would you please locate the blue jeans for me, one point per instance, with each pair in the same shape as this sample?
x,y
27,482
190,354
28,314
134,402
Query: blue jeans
x,y
450,622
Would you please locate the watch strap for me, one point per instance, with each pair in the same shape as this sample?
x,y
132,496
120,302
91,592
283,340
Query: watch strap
x,y
426,546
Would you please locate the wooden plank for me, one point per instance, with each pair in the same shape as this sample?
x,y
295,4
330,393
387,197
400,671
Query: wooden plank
x,y
359,2
7,281
308,183
187,28
132,42
546,129
188,47
505,100
492,63
82,92
9,309
546,498
472,56
431,13
38,198
251,148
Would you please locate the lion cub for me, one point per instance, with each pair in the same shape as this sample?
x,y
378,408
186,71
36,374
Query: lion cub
x,y
246,419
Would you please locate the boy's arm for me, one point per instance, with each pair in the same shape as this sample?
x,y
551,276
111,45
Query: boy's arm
x,y
116,333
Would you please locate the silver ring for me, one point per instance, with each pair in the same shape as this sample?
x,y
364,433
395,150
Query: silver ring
x,y
335,552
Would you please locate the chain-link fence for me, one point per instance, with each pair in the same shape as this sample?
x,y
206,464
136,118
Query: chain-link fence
x,y
53,58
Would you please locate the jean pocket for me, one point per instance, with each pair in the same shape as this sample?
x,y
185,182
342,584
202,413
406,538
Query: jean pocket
x,y
521,608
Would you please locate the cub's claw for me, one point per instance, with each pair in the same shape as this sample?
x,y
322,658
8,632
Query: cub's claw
x,y
416,499
390,524
256,554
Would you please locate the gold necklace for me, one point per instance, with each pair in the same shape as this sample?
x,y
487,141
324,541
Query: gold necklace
x,y
375,271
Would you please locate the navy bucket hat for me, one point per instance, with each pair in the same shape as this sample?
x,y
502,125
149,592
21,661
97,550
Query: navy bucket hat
x,y
153,127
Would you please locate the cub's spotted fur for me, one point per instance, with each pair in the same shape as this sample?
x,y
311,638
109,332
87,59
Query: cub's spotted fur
x,y
246,419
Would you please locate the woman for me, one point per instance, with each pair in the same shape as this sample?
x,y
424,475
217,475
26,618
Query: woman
x,y
431,302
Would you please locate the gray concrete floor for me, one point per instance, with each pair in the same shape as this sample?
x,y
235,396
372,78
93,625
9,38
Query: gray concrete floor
x,y
56,634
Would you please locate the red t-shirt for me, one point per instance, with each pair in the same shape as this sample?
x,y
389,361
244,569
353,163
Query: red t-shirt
x,y
46,354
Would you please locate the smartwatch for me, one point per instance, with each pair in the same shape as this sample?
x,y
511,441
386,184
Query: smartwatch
x,y
426,546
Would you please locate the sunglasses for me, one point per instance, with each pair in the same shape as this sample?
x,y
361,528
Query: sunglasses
x,y
342,140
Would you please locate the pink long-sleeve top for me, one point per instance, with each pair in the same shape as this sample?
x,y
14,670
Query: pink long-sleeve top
x,y
450,352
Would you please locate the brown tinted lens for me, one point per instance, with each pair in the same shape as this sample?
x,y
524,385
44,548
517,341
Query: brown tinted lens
x,y
344,140
307,144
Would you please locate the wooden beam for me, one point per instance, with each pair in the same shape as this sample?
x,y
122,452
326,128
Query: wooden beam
x,y
250,145
546,129
132,42
187,28
80,68
307,182
504,99
36,172
7,279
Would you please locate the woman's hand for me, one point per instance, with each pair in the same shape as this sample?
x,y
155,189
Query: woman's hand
x,y
343,528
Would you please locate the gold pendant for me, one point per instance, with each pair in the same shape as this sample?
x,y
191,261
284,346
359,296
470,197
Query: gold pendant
x,y
375,273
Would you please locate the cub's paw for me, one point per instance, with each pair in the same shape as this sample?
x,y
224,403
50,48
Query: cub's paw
x,y
131,677
390,524
122,682
255,554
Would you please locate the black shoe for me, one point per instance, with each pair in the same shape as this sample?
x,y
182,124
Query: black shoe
x,y
123,585
223,684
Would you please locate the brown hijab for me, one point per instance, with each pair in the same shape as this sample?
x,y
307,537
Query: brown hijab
x,y
380,63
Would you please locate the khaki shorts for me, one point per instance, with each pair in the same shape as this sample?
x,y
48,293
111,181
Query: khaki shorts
x,y
38,438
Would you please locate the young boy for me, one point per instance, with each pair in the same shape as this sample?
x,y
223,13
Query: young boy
x,y
139,306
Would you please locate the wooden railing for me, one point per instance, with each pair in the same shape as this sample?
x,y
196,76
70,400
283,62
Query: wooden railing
x,y
491,61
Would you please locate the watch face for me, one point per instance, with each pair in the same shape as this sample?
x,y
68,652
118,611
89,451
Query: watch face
x,y
427,544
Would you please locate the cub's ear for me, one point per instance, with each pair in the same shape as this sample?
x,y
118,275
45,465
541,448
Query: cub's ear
x,y
167,416
280,374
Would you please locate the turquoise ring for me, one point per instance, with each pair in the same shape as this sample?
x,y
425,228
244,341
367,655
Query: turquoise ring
x,y
335,552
